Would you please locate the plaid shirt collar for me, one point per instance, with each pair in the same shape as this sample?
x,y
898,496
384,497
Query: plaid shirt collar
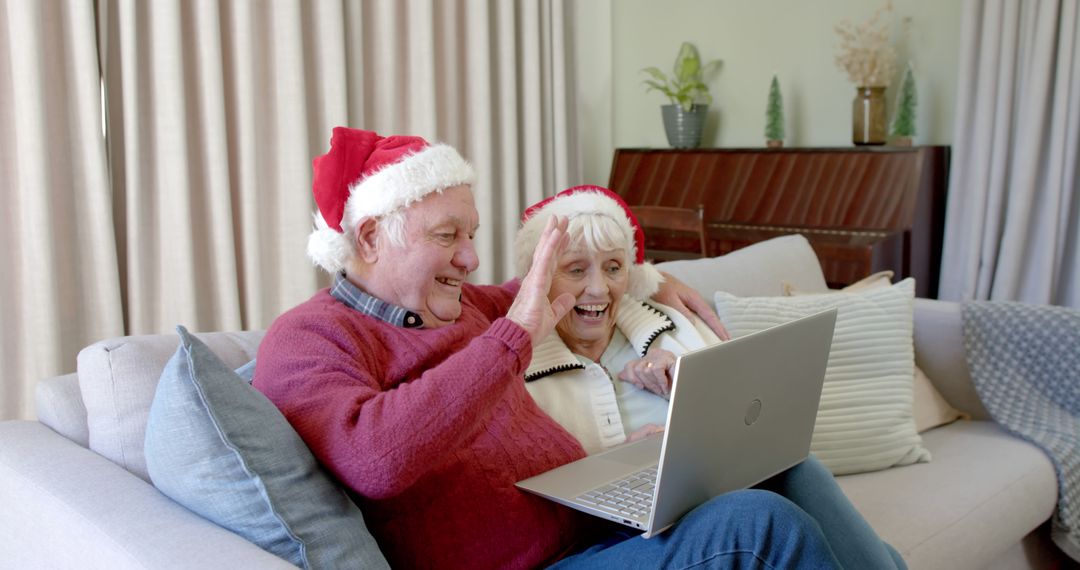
x,y
343,290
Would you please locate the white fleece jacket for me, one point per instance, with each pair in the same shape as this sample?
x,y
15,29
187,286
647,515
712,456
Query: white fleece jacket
x,y
587,397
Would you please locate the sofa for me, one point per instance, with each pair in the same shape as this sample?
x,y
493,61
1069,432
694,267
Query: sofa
x,y
76,490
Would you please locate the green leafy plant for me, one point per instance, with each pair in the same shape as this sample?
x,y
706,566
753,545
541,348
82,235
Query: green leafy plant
x,y
686,86
903,123
774,112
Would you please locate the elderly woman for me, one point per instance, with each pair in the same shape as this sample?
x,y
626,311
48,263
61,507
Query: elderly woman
x,y
604,374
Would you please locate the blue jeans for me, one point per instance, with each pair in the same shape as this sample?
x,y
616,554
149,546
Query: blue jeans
x,y
812,487
797,519
742,529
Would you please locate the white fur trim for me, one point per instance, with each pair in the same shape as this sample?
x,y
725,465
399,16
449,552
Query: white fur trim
x,y
645,280
393,187
328,248
399,184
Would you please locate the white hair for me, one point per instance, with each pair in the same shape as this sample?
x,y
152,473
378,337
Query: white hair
x,y
597,232
598,223
392,227
334,251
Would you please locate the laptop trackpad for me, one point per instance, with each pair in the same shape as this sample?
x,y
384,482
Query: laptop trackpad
x,y
641,453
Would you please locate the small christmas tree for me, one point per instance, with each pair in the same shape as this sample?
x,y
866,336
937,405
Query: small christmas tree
x,y
774,115
903,123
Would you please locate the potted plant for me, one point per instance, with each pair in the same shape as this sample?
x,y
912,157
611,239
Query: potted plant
x,y
684,118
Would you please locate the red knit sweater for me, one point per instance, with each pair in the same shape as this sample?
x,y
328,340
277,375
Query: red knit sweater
x,y
431,427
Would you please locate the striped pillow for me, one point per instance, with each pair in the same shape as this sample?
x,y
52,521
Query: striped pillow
x,y
865,421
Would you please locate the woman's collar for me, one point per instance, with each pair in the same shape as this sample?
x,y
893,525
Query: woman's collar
x,y
549,357
639,321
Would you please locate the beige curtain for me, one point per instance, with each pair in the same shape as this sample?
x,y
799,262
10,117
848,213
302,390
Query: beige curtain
x,y
58,291
1014,195
214,109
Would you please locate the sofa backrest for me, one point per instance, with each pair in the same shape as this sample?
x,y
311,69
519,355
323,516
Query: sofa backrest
x,y
757,270
118,378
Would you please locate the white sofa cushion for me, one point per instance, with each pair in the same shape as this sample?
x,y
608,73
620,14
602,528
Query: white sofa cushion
x,y
759,269
983,491
118,377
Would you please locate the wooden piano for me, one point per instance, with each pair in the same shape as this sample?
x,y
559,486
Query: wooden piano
x,y
863,209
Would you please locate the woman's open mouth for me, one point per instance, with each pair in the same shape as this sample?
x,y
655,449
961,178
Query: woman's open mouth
x,y
591,312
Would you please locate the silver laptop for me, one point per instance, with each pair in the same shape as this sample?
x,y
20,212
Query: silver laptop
x,y
740,412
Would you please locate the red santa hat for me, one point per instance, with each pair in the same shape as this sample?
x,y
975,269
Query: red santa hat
x,y
367,175
580,201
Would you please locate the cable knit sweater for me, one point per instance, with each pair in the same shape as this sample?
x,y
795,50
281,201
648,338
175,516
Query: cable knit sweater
x,y
430,427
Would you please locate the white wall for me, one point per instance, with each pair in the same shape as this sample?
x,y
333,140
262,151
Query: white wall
x,y
793,38
593,76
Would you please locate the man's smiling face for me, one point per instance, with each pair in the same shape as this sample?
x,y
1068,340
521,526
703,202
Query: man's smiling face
x,y
426,274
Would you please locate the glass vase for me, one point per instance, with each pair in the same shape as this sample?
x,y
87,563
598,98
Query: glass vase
x,y
868,116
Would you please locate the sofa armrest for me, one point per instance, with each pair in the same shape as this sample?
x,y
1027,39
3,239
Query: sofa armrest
x,y
67,507
939,351
59,405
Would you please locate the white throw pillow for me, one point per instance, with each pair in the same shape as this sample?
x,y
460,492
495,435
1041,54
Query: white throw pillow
x,y
931,409
865,421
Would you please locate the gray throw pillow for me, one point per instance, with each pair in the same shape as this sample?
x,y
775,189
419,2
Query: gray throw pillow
x,y
220,448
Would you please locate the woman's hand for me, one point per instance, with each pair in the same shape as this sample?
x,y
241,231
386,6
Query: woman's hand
x,y
644,432
531,308
652,373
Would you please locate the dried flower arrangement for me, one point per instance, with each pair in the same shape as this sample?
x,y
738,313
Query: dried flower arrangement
x,y
865,52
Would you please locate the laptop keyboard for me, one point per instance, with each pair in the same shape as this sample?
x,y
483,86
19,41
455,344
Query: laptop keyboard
x,y
631,496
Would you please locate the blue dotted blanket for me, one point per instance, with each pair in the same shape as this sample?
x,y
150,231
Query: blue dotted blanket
x,y
1025,364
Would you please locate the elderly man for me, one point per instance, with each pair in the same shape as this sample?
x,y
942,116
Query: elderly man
x,y
406,382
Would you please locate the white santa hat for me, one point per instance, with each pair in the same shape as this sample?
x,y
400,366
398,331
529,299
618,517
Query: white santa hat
x,y
644,278
367,175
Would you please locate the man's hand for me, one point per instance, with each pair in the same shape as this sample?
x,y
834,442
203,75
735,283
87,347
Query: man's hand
x,y
531,308
652,373
688,301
